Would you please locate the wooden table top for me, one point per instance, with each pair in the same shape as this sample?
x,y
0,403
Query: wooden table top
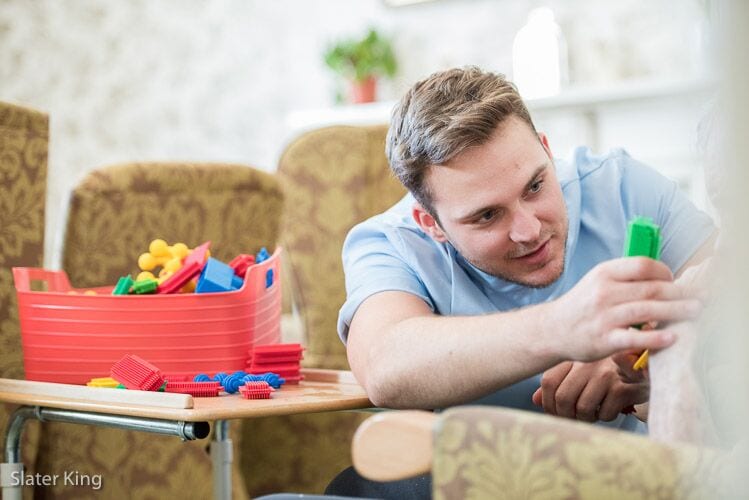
x,y
320,391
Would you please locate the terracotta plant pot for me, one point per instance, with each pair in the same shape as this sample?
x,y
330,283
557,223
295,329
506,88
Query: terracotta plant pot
x,y
363,91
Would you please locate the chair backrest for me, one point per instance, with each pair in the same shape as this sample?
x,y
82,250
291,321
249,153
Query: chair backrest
x,y
333,178
116,211
24,139
502,453
484,452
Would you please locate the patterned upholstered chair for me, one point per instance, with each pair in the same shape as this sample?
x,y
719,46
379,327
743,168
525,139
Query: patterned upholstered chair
x,y
482,452
24,138
115,212
332,178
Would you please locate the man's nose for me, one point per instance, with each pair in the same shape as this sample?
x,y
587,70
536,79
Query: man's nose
x,y
525,227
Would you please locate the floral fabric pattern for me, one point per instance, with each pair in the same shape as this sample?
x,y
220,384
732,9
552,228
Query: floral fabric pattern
x,y
24,138
498,453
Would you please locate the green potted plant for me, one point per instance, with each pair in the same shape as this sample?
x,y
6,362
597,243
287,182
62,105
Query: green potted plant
x,y
361,62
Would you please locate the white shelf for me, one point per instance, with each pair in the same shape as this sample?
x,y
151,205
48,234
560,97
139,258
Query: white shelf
x,y
578,99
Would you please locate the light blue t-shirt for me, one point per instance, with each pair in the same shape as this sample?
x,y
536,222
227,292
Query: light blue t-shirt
x,y
389,252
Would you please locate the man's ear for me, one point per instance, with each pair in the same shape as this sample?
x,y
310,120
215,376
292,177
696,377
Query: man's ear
x,y
428,223
545,143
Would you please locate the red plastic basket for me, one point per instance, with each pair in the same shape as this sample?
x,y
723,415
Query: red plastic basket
x,y
71,338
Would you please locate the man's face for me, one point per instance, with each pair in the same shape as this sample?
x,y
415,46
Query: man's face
x,y
501,206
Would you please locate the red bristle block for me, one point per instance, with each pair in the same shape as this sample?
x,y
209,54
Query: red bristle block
x,y
276,353
256,390
136,373
197,389
283,370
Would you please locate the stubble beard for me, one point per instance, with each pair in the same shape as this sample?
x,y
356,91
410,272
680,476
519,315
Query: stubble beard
x,y
488,268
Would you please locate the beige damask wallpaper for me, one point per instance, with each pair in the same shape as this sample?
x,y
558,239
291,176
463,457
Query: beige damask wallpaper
x,y
213,80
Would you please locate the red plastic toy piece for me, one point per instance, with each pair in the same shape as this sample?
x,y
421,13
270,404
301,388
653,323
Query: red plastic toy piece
x,y
256,390
240,263
197,389
136,373
282,359
277,353
191,267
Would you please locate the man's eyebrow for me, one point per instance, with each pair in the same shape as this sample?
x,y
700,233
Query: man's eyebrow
x,y
475,213
539,170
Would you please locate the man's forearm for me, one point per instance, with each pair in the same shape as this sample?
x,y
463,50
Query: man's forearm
x,y
438,361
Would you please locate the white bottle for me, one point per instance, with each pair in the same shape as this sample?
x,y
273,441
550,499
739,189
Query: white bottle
x,y
539,56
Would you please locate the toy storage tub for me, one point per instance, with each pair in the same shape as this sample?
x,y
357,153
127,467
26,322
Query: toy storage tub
x,y
72,338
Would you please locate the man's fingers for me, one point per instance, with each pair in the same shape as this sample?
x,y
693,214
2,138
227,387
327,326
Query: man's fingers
x,y
625,361
637,269
590,399
630,339
616,401
617,293
610,408
638,312
569,390
536,398
549,384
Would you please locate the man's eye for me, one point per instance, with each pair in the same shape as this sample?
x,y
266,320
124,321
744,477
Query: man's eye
x,y
536,187
486,216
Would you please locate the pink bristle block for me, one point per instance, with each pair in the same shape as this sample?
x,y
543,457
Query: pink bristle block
x,y
136,373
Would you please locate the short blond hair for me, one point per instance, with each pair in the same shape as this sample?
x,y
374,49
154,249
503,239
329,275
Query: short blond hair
x,y
441,116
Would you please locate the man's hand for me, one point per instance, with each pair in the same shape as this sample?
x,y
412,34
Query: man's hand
x,y
592,391
593,319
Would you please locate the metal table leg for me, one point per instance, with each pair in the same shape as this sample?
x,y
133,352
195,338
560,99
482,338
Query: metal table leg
x,y
222,455
11,470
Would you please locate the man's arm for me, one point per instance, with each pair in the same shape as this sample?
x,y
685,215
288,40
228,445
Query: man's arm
x,y
407,357
600,390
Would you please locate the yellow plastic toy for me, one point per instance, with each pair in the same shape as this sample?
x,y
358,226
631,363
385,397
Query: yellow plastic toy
x,y
103,382
170,258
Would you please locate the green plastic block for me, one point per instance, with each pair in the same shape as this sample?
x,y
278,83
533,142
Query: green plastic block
x,y
145,286
643,239
123,286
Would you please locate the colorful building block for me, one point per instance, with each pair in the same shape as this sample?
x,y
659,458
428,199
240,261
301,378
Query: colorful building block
x,y
103,382
191,267
136,373
197,389
256,390
281,359
240,263
123,285
262,255
145,286
217,277
643,240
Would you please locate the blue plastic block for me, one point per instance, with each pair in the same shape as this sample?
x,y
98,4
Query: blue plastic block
x,y
217,277
201,377
272,378
262,255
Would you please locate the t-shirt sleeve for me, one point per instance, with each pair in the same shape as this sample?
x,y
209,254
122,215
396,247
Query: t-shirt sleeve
x,y
684,227
372,263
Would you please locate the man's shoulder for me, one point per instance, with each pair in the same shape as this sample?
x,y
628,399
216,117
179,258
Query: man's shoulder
x,y
395,227
616,169
586,163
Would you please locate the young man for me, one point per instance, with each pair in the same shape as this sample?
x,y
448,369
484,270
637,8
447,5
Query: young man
x,y
503,263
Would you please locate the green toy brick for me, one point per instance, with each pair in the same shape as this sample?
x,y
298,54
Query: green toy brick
x,y
643,239
146,286
123,285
